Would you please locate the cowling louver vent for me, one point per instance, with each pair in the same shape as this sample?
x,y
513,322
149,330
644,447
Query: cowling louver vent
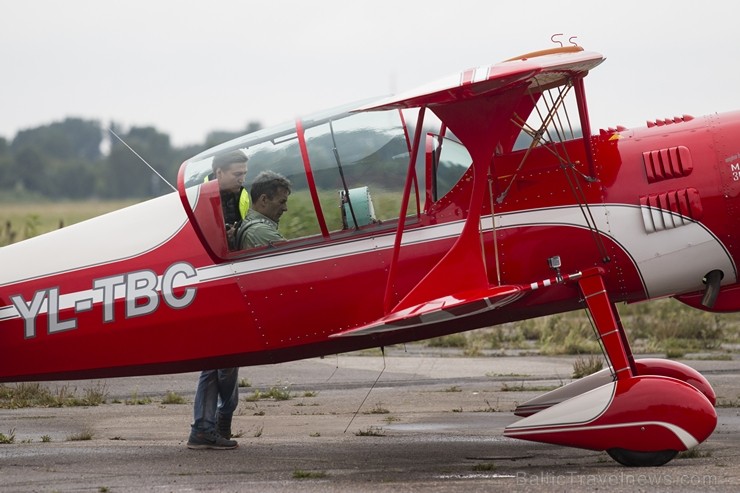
x,y
670,210
664,164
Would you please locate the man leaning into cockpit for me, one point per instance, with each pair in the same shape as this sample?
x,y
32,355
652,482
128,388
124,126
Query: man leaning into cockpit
x,y
217,394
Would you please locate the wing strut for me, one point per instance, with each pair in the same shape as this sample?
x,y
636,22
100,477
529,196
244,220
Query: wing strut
x,y
388,298
478,123
585,123
607,324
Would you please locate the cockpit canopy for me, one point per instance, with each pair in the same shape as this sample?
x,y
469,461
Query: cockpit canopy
x,y
347,172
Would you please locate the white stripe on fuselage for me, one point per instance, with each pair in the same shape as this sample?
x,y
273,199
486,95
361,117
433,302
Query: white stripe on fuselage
x,y
118,235
669,262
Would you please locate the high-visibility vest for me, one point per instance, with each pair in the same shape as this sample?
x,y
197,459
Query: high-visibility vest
x,y
243,203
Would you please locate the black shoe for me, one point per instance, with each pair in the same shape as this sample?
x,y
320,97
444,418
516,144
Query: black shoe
x,y
223,425
210,440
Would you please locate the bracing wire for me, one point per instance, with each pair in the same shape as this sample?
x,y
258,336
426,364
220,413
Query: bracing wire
x,y
536,135
552,103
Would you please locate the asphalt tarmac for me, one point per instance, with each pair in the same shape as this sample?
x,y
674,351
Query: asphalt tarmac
x,y
430,423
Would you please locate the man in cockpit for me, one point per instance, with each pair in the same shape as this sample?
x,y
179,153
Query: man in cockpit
x,y
269,195
230,169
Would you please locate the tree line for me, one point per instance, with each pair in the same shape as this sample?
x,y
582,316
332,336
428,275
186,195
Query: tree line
x,y
79,159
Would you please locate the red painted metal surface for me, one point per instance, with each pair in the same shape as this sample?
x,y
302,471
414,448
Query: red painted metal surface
x,y
679,371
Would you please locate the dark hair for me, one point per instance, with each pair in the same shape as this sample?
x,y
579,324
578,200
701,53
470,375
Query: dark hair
x,y
268,183
223,161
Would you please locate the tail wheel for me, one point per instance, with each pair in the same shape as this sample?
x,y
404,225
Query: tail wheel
x,y
632,458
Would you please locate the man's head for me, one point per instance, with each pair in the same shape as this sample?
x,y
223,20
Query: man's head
x,y
269,194
230,170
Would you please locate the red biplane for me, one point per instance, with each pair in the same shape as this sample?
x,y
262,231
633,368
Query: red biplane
x,y
481,199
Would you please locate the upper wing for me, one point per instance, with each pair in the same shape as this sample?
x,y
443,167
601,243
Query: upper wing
x,y
545,69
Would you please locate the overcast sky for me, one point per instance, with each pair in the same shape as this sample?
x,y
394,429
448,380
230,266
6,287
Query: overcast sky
x,y
188,67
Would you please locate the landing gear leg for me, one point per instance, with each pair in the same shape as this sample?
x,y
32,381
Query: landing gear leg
x,y
608,326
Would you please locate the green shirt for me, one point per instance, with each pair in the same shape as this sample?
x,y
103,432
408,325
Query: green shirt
x,y
257,230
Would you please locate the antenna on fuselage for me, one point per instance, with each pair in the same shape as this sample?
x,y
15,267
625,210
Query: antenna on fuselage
x,y
142,159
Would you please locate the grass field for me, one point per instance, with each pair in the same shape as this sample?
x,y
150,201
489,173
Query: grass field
x,y
24,220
